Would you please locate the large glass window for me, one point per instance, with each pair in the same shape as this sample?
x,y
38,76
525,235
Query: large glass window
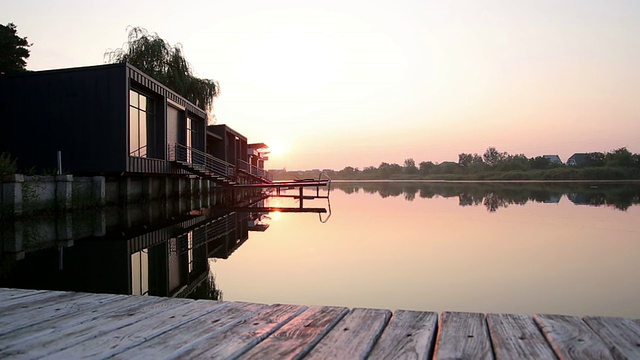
x,y
141,124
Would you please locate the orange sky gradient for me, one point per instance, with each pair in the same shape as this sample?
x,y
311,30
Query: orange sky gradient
x,y
356,83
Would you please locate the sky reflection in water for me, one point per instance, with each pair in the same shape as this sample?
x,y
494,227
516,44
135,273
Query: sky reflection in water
x,y
514,248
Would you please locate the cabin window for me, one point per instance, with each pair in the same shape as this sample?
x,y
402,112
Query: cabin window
x,y
190,130
142,117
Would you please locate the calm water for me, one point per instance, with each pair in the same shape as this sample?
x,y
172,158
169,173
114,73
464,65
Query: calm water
x,y
519,248
515,247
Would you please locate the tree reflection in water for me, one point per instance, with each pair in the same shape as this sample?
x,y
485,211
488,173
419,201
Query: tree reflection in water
x,y
496,195
207,290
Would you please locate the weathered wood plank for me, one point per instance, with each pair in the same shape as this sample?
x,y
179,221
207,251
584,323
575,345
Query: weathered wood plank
x,y
14,319
58,334
353,337
243,336
409,335
131,334
298,336
50,296
7,294
38,302
463,336
571,338
56,324
517,337
196,331
622,335
31,331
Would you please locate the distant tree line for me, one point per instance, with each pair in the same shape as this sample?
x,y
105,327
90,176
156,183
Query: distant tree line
x,y
492,165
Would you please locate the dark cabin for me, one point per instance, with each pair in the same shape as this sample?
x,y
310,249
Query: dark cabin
x,y
227,145
108,119
231,147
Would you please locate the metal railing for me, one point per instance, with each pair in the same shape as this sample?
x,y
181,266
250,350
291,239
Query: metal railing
x,y
252,169
201,161
221,227
243,165
259,172
139,152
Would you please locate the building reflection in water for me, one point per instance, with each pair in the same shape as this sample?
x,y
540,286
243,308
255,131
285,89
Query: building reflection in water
x,y
161,249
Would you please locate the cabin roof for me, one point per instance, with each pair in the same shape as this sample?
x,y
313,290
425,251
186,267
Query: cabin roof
x,y
258,146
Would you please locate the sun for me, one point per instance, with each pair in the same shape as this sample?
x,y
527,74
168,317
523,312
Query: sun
x,y
277,148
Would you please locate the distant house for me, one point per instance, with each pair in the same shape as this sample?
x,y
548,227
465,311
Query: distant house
x,y
232,148
258,154
553,159
579,160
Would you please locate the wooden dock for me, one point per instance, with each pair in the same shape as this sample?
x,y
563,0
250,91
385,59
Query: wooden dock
x,y
64,325
285,184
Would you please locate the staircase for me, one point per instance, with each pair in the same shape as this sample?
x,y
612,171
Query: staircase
x,y
201,164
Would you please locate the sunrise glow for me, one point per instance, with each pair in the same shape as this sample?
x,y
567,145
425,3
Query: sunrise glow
x,y
275,215
356,84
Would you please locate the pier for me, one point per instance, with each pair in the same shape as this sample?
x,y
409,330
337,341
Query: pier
x,y
56,324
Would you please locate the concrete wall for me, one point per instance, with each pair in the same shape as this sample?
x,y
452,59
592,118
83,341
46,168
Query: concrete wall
x,y
22,195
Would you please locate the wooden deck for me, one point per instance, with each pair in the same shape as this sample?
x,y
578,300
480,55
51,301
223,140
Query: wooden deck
x,y
64,325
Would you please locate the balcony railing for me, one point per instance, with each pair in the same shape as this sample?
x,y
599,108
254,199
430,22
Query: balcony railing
x,y
139,152
252,169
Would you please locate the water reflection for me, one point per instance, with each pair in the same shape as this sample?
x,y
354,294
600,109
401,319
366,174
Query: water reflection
x,y
431,254
494,196
160,249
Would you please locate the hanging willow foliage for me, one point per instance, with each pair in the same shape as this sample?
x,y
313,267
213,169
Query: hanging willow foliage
x,y
165,63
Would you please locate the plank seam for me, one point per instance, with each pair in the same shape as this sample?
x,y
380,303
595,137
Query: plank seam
x,y
322,334
269,333
434,339
179,353
372,343
166,329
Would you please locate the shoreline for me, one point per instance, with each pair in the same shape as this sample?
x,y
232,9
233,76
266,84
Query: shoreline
x,y
629,181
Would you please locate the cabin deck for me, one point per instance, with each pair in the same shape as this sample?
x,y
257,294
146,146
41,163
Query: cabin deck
x,y
63,325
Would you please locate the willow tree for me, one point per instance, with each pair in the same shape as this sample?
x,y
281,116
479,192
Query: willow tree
x,y
165,63
14,50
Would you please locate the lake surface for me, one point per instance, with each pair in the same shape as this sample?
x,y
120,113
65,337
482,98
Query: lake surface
x,y
485,247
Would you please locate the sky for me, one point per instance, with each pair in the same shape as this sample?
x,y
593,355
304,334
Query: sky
x,y
355,83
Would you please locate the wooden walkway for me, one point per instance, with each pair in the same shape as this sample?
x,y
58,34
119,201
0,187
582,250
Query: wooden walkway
x,y
65,325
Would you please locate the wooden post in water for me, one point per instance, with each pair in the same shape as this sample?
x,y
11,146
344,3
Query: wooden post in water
x,y
301,196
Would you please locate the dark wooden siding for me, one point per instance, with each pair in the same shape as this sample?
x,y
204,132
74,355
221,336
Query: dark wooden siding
x,y
148,166
81,112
